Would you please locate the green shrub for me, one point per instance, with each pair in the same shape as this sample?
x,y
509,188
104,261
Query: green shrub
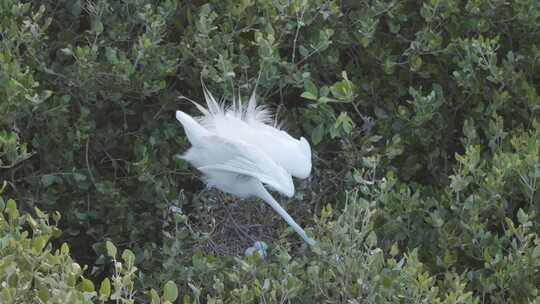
x,y
423,118
345,266
31,271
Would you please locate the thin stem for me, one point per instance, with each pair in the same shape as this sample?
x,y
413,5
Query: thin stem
x,y
299,24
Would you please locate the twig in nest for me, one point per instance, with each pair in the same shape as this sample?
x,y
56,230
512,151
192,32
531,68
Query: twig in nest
x,y
238,228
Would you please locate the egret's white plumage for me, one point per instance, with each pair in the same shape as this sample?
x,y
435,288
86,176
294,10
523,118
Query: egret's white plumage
x,y
238,151
252,124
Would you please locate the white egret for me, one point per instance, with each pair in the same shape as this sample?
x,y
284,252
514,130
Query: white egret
x,y
239,152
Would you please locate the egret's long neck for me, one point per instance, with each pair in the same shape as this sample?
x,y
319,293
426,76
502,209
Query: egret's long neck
x,y
272,202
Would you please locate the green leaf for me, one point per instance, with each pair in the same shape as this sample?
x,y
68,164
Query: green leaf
x,y
111,55
154,297
56,216
387,281
64,249
128,257
310,87
11,209
374,138
343,90
371,239
43,294
56,232
49,179
38,98
415,63
4,185
436,220
79,177
309,96
87,285
40,214
39,242
388,66
105,288
522,216
111,249
344,122
338,90
30,220
394,250
170,291
325,99
67,51
303,51
6,295
98,27
536,253
75,8
317,134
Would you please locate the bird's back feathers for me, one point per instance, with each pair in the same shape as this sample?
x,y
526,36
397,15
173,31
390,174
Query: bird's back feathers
x,y
254,123
214,155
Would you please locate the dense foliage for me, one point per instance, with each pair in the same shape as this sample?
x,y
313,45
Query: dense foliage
x,y
422,115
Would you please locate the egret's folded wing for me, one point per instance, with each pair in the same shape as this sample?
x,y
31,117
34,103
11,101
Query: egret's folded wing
x,y
292,154
240,166
246,159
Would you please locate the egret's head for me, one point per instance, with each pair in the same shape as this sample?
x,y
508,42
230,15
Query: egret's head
x,y
303,167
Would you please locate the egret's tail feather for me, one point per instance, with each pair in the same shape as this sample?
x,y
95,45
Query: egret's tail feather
x,y
254,113
213,106
201,108
251,113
